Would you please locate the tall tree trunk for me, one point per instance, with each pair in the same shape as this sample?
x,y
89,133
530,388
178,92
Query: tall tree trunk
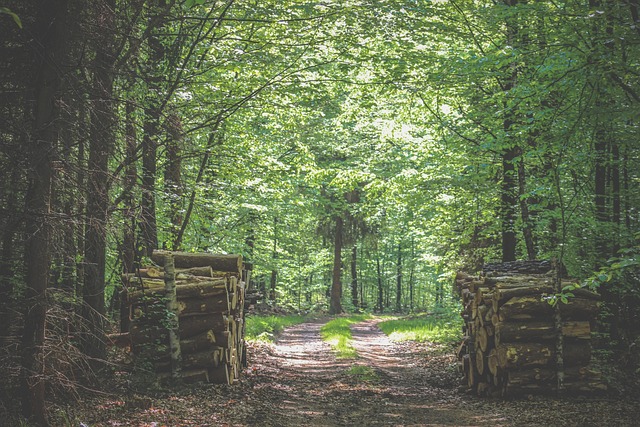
x,y
354,276
335,305
411,270
527,228
380,288
173,176
100,145
399,280
274,257
151,126
50,44
508,193
7,257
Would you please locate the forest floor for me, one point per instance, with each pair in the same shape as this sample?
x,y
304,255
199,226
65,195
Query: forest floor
x,y
299,382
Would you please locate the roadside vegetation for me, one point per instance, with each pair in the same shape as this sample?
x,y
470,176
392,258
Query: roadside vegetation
x,y
266,328
441,327
337,333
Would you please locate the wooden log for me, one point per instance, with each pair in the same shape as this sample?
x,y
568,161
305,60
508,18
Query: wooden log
x,y
219,375
210,304
188,376
539,331
462,348
194,324
228,263
146,273
579,309
205,271
481,362
483,340
525,308
492,362
200,289
505,294
203,359
203,341
522,355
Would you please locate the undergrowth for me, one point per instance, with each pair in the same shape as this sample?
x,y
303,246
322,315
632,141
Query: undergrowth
x,y
265,328
338,334
439,328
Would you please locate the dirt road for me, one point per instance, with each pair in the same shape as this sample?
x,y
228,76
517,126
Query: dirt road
x,y
299,382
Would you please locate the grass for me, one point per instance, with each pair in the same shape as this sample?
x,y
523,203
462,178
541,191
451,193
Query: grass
x,y
436,328
338,334
363,374
266,328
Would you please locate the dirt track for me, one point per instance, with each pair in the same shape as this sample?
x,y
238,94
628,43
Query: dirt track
x,y
299,382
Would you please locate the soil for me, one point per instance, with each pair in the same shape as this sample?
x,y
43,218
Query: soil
x,y
299,382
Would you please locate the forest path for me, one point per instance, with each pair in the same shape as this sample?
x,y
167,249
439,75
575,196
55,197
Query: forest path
x,y
301,383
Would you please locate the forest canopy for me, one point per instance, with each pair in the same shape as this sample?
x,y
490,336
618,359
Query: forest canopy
x,y
356,153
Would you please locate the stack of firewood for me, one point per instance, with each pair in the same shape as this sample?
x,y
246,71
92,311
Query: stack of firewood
x,y
207,317
510,329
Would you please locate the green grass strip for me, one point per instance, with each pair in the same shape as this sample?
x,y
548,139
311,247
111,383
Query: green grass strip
x,y
424,328
266,328
338,334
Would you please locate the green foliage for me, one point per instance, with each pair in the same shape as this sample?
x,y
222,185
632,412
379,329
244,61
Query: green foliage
x,y
440,328
14,16
266,328
363,373
337,333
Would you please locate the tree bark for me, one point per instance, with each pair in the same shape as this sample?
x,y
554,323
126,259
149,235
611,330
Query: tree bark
x,y
399,280
354,276
100,146
50,45
335,305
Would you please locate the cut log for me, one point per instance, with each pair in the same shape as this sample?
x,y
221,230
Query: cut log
x,y
506,332
194,324
521,355
492,362
210,304
504,294
219,375
188,376
203,341
484,341
525,308
200,289
228,263
579,309
481,362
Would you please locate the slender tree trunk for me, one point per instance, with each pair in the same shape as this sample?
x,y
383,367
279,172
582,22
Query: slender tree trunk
x,y
411,271
615,196
100,145
354,276
508,193
274,257
7,258
399,280
527,229
380,288
335,306
173,176
50,44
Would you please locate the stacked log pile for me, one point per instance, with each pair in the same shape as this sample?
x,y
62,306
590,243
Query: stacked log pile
x,y
208,316
510,341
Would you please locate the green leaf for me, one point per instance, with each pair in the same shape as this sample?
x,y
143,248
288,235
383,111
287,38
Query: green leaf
x,y
16,18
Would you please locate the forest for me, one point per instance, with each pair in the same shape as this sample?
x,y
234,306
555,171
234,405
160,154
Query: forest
x,y
355,153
